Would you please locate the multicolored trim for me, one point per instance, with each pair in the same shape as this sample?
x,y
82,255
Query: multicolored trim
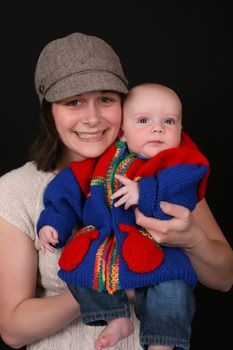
x,y
106,269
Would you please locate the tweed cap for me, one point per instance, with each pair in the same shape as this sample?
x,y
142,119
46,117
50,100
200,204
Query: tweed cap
x,y
75,64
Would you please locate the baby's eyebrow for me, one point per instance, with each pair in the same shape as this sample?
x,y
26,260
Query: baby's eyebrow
x,y
171,115
141,115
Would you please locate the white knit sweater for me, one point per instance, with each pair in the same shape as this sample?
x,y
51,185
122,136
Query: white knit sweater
x,y
21,194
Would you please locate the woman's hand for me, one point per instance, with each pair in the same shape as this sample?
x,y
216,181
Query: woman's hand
x,y
174,232
199,235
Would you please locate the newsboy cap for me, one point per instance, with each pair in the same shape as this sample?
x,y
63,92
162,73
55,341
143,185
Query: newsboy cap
x,y
75,64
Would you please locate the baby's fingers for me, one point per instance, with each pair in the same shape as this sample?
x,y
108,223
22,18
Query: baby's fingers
x,y
54,240
124,180
120,192
121,201
46,247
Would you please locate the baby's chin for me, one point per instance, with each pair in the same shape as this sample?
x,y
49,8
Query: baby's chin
x,y
148,155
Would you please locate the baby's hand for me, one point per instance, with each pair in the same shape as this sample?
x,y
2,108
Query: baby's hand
x,y
48,235
129,192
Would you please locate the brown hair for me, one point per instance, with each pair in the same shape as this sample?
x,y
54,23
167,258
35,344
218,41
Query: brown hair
x,y
46,150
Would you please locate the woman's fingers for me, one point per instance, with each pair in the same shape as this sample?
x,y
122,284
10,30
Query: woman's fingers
x,y
147,222
169,232
177,211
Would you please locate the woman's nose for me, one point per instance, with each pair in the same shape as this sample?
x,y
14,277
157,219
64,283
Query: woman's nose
x,y
92,115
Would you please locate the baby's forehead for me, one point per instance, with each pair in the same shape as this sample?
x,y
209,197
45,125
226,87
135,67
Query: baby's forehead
x,y
156,89
152,94
153,88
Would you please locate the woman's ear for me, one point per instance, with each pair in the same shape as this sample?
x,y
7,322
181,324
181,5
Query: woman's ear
x,y
121,135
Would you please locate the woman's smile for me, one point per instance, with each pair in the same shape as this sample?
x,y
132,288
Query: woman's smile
x,y
91,136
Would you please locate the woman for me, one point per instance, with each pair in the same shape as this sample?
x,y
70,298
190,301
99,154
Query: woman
x,y
79,81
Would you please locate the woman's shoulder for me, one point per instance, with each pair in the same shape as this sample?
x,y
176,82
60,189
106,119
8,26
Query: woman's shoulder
x,y
23,173
21,193
26,178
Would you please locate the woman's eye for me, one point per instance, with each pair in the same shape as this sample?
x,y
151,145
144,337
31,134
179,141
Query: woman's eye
x,y
73,103
105,99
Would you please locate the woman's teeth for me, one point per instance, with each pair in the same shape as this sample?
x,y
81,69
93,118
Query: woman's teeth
x,y
90,136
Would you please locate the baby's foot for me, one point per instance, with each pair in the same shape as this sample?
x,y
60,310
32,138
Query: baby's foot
x,y
116,330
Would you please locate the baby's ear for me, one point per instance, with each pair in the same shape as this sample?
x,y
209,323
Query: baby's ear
x,y
121,135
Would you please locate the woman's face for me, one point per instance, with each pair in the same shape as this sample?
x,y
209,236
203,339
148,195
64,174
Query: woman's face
x,y
87,124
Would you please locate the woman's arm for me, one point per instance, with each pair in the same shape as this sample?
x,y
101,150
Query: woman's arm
x,y
200,236
211,254
23,317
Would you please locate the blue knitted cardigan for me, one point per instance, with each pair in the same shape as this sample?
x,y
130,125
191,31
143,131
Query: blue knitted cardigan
x,y
111,252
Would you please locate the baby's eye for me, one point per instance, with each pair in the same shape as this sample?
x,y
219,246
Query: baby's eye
x,y
169,121
143,120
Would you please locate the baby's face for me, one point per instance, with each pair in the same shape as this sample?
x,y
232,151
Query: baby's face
x,y
152,120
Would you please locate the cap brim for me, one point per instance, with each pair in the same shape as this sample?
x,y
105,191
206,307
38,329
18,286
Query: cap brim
x,y
77,84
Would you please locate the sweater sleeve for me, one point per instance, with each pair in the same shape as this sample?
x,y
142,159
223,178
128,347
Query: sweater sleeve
x,y
177,184
63,202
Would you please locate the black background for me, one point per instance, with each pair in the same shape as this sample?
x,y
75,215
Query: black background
x,y
186,45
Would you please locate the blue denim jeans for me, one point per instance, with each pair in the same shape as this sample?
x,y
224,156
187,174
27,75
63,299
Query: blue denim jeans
x,y
165,311
99,307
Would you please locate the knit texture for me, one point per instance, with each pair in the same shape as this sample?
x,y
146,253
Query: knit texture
x,y
115,253
138,245
21,201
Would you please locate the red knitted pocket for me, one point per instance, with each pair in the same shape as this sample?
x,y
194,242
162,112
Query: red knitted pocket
x,y
76,249
140,252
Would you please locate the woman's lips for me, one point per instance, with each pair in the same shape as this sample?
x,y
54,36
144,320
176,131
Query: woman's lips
x,y
89,137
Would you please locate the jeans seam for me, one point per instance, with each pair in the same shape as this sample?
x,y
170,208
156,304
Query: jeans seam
x,y
103,312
